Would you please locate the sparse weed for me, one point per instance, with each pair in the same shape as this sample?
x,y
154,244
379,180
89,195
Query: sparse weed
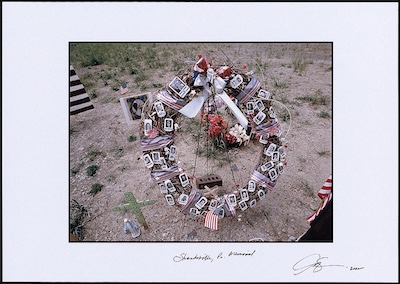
x,y
95,188
324,114
305,186
299,65
110,178
132,138
91,170
323,153
280,84
119,151
316,99
76,169
93,153
93,95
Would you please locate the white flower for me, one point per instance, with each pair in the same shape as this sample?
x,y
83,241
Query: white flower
x,y
240,134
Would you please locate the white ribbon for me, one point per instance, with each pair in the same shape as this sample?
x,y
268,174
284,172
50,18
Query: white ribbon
x,y
194,106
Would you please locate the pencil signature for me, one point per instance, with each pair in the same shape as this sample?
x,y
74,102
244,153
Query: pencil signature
x,y
313,262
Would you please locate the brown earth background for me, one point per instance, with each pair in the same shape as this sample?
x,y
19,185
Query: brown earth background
x,y
298,75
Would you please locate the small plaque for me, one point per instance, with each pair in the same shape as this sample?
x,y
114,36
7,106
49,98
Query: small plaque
x,y
148,161
148,125
243,205
183,199
169,185
273,174
260,105
236,81
202,201
232,199
244,195
280,168
172,153
271,148
250,107
275,156
184,179
267,166
213,204
259,117
251,187
160,109
163,188
168,124
179,87
170,199
263,94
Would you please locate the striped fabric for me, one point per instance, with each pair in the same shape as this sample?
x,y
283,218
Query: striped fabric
x,y
261,179
171,101
79,100
157,142
211,221
325,193
272,129
249,91
163,175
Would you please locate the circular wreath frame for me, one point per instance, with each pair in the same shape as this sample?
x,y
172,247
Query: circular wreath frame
x,y
159,116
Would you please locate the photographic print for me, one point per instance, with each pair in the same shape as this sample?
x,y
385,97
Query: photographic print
x,y
163,188
263,94
148,125
172,153
260,105
170,199
236,159
250,107
271,148
179,87
251,186
232,199
170,186
236,81
159,107
168,124
259,117
148,161
183,199
184,179
132,107
243,205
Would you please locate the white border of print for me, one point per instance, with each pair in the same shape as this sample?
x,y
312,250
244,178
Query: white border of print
x,y
320,21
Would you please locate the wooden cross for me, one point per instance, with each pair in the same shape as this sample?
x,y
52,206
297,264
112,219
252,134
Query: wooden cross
x,y
211,191
135,206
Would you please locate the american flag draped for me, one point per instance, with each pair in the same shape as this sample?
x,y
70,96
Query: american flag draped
x,y
79,100
211,220
325,193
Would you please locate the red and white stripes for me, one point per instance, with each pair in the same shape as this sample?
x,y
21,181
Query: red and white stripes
x,y
325,193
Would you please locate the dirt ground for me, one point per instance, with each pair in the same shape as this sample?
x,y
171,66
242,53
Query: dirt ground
x,y
101,137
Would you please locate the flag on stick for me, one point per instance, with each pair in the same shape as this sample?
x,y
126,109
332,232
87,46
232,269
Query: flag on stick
x,y
124,89
211,221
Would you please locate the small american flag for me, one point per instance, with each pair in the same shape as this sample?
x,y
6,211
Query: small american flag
x,y
124,89
211,220
325,193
